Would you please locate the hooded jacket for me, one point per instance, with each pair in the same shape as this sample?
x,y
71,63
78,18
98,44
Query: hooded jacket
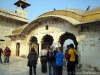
x,y
32,59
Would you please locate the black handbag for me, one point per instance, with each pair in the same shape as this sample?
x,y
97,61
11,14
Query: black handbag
x,y
76,58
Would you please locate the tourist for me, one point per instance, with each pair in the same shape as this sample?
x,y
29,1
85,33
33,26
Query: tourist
x,y
43,59
51,61
59,62
56,50
66,54
7,54
32,61
71,60
1,52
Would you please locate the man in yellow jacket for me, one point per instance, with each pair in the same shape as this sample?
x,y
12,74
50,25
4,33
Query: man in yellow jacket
x,y
71,60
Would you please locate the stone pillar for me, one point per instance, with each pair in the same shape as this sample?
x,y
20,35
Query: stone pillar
x,y
57,44
39,47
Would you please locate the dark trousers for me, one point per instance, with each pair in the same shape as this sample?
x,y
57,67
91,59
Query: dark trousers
x,y
44,68
44,64
30,70
0,59
71,68
58,70
6,59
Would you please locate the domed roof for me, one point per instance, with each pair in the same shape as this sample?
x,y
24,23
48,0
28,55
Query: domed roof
x,y
74,16
92,11
74,10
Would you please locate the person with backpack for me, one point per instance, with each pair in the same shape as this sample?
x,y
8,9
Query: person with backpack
x,y
1,52
7,54
66,54
71,60
59,61
32,61
51,61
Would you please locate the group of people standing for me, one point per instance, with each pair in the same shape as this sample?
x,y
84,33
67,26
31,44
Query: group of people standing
x,y
6,53
54,58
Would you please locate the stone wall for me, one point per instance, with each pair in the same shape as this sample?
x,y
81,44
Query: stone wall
x,y
18,14
89,48
55,29
6,27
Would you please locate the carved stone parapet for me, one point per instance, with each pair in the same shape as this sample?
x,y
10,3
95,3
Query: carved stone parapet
x,y
13,15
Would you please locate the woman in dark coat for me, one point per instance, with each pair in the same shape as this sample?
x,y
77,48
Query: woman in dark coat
x,y
32,61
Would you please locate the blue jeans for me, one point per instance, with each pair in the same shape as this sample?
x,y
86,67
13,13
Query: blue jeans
x,y
52,68
6,59
0,59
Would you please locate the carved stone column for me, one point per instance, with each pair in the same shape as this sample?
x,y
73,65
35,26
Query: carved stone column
x,y
39,42
39,49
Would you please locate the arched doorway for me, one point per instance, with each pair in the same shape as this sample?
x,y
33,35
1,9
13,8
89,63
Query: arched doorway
x,y
66,36
47,40
17,49
33,44
67,42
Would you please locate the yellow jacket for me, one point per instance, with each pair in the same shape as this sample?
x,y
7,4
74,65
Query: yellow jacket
x,y
72,54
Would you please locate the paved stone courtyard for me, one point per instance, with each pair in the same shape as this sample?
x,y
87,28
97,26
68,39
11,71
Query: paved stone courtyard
x,y
18,66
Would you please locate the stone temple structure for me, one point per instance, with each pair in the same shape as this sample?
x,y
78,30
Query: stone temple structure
x,y
53,27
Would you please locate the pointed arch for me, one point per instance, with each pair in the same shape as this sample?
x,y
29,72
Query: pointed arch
x,y
33,43
47,40
33,39
66,36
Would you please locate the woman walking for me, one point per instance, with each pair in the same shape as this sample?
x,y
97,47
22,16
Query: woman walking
x,y
32,61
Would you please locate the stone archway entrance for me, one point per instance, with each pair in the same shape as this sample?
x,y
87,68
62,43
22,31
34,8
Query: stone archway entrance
x,y
47,40
66,36
17,49
34,44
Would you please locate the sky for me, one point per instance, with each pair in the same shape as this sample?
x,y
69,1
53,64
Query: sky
x,y
39,7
